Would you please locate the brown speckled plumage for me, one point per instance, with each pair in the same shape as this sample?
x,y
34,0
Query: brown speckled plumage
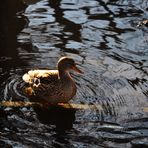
x,y
54,86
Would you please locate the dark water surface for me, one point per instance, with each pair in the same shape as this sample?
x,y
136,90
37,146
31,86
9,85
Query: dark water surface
x,y
112,51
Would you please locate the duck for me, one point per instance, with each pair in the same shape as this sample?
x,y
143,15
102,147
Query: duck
x,y
53,86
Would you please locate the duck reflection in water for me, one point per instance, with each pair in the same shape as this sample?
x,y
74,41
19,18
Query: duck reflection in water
x,y
62,118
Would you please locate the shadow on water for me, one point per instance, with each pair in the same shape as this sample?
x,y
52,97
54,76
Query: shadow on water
x,y
10,27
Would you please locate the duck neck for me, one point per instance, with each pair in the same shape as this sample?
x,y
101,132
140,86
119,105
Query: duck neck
x,y
64,75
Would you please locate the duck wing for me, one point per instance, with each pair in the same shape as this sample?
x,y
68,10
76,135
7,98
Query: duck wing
x,y
43,82
35,76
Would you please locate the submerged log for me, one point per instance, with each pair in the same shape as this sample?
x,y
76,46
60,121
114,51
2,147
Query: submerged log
x,y
41,104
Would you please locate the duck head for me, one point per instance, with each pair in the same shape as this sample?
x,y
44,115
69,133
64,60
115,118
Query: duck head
x,y
66,64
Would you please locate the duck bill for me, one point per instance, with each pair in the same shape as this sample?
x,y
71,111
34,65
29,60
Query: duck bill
x,y
77,70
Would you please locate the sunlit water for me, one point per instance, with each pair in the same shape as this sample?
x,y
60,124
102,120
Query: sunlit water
x,y
103,37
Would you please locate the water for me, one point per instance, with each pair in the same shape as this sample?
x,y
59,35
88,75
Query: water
x,y
111,105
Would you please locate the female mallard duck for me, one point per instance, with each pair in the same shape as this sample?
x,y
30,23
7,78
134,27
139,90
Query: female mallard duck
x,y
54,86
